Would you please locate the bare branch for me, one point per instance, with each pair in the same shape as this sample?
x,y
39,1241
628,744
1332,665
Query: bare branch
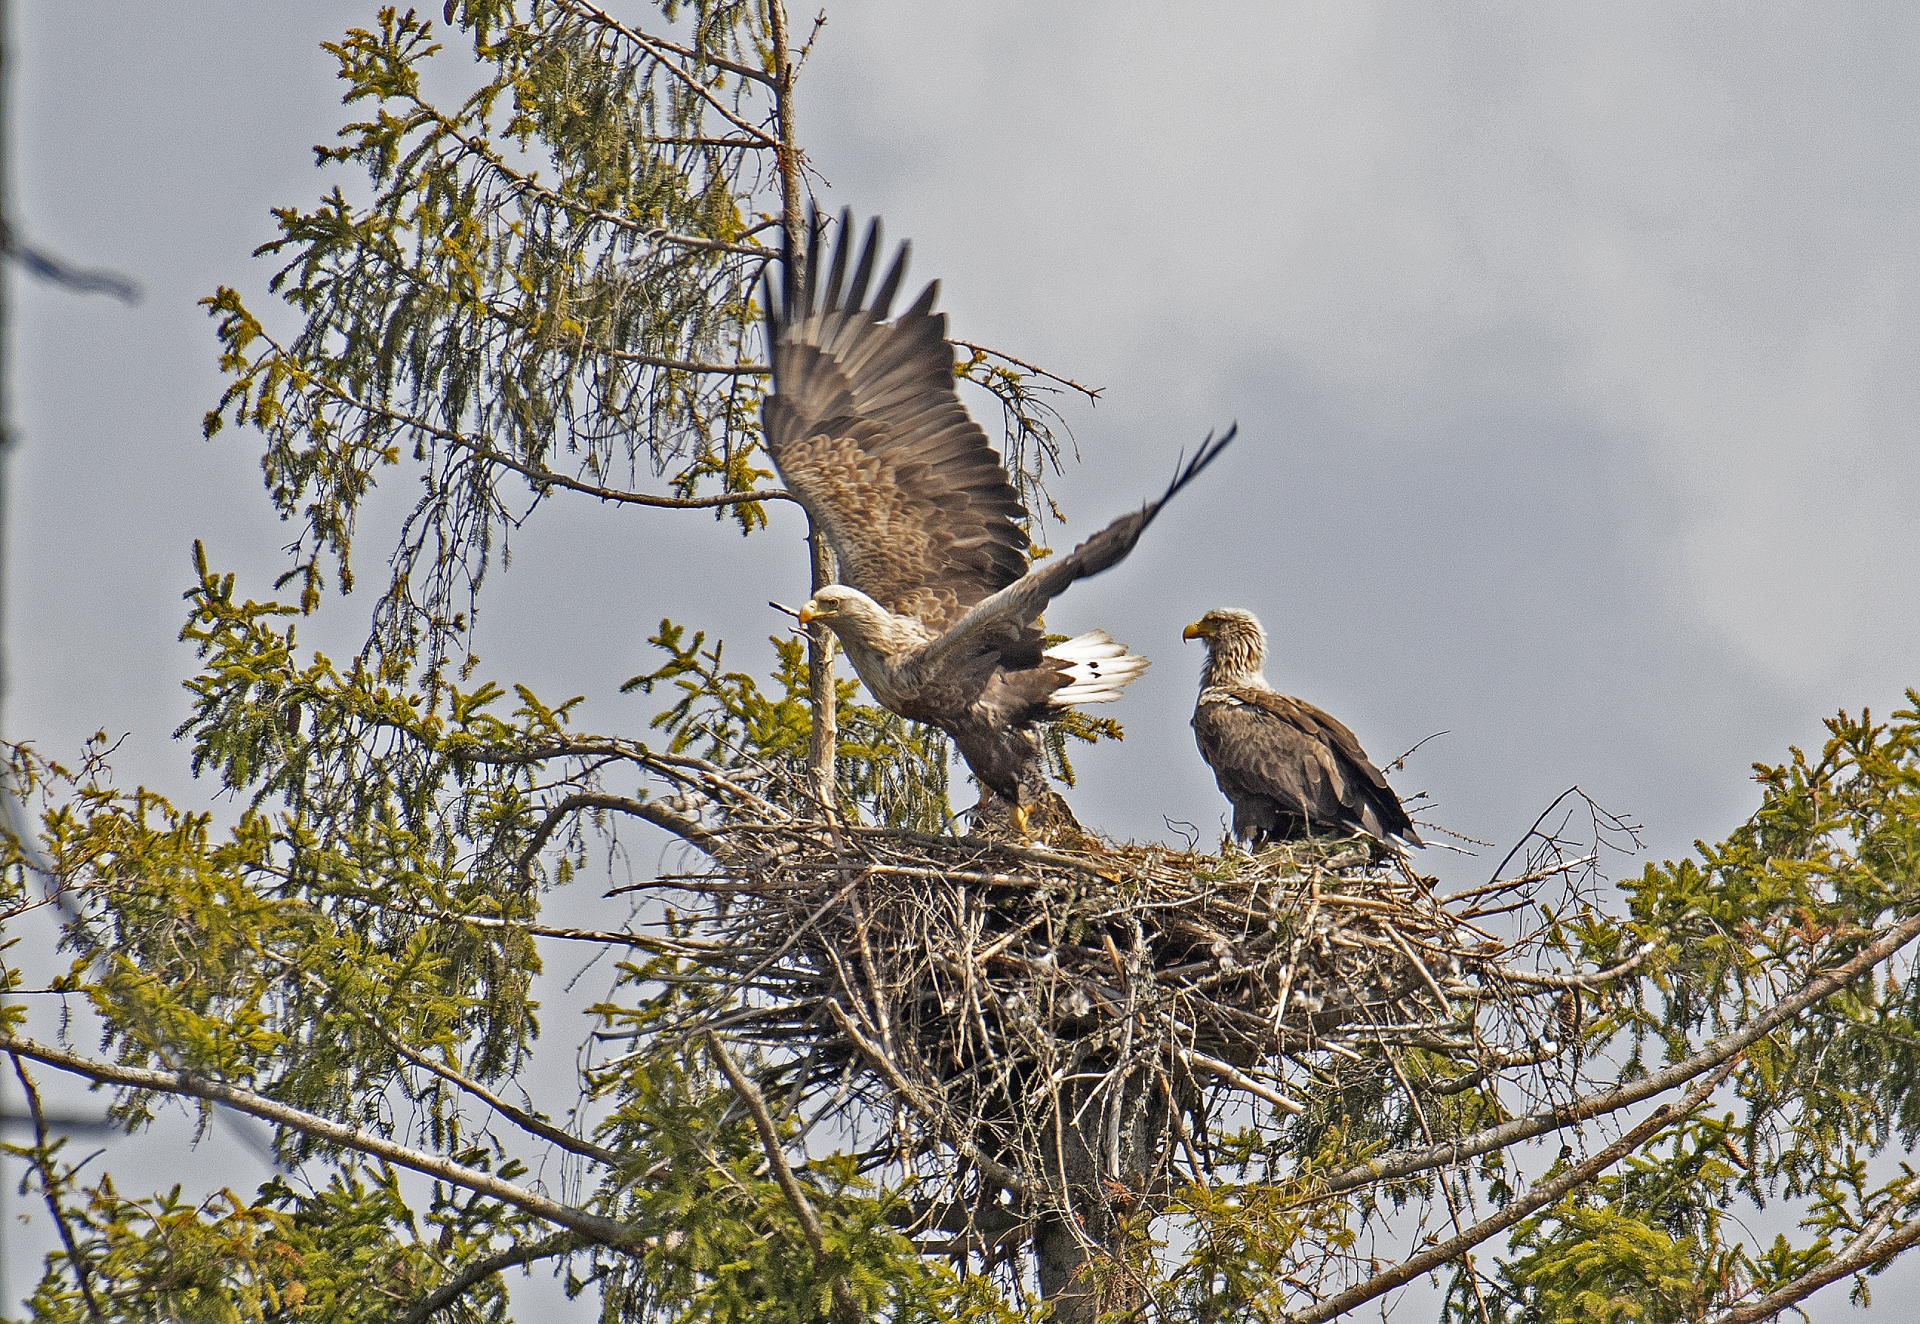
x,y
1520,880
479,1270
1092,393
684,828
592,1227
684,365
610,937
543,477
683,768
753,143
521,1118
1597,979
749,1093
1239,1079
707,57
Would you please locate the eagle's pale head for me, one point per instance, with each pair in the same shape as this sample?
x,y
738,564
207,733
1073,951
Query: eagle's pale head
x,y
1236,646
858,619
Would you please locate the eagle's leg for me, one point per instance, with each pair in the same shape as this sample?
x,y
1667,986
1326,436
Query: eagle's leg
x,y
1020,820
1016,810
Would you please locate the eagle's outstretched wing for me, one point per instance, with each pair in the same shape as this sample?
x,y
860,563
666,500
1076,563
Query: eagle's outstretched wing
x,y
868,432
1019,604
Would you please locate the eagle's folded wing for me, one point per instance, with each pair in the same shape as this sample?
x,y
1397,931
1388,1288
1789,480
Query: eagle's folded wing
x,y
1253,754
1323,726
1358,786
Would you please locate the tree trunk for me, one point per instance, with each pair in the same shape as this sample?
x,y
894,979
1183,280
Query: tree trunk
x,y
822,744
1105,1164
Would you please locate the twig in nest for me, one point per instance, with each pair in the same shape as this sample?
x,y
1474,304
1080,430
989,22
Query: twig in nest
x,y
1215,1067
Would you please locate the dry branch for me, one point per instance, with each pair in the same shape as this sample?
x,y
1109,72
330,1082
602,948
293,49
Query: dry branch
x,y
982,986
844,1305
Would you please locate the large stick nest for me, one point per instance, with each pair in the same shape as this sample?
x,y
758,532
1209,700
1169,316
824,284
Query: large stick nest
x,y
973,993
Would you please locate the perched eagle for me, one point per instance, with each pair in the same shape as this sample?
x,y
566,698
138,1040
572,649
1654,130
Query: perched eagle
x,y
938,609
1288,768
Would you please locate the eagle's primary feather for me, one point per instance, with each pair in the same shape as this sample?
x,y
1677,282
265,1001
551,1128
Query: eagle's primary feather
x,y
937,609
1287,767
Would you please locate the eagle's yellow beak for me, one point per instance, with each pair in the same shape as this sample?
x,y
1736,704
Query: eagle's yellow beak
x,y
1198,630
809,612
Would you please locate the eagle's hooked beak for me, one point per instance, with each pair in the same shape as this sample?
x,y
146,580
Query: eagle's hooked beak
x,y
1198,630
809,612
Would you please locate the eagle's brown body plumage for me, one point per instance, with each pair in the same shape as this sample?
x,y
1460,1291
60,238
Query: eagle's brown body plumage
x,y
938,608
1288,768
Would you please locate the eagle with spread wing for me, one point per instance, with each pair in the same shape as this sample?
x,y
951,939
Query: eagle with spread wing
x,y
1288,767
938,608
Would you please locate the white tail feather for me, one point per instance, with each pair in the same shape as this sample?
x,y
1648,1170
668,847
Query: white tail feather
x,y
1097,667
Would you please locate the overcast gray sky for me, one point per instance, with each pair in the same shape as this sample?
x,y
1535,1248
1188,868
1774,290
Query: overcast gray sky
x,y
1573,349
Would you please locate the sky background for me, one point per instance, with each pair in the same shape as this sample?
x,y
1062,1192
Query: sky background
x,y
1573,350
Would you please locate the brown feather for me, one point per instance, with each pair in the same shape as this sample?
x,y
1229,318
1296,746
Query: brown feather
x,y
867,431
870,436
1288,767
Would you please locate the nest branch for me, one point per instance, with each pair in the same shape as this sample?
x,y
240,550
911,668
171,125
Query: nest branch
x,y
1023,1031
969,979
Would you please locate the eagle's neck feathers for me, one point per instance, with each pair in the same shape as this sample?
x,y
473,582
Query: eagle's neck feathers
x,y
884,632
881,644
1235,656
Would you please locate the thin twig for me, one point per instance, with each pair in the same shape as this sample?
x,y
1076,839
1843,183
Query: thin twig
x,y
50,1187
476,1271
684,828
1240,1079
1597,979
520,1117
844,1303
1092,393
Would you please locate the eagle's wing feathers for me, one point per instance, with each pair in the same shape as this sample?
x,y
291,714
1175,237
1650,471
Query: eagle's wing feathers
x,y
1301,757
869,434
1252,755
1324,727
1018,605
